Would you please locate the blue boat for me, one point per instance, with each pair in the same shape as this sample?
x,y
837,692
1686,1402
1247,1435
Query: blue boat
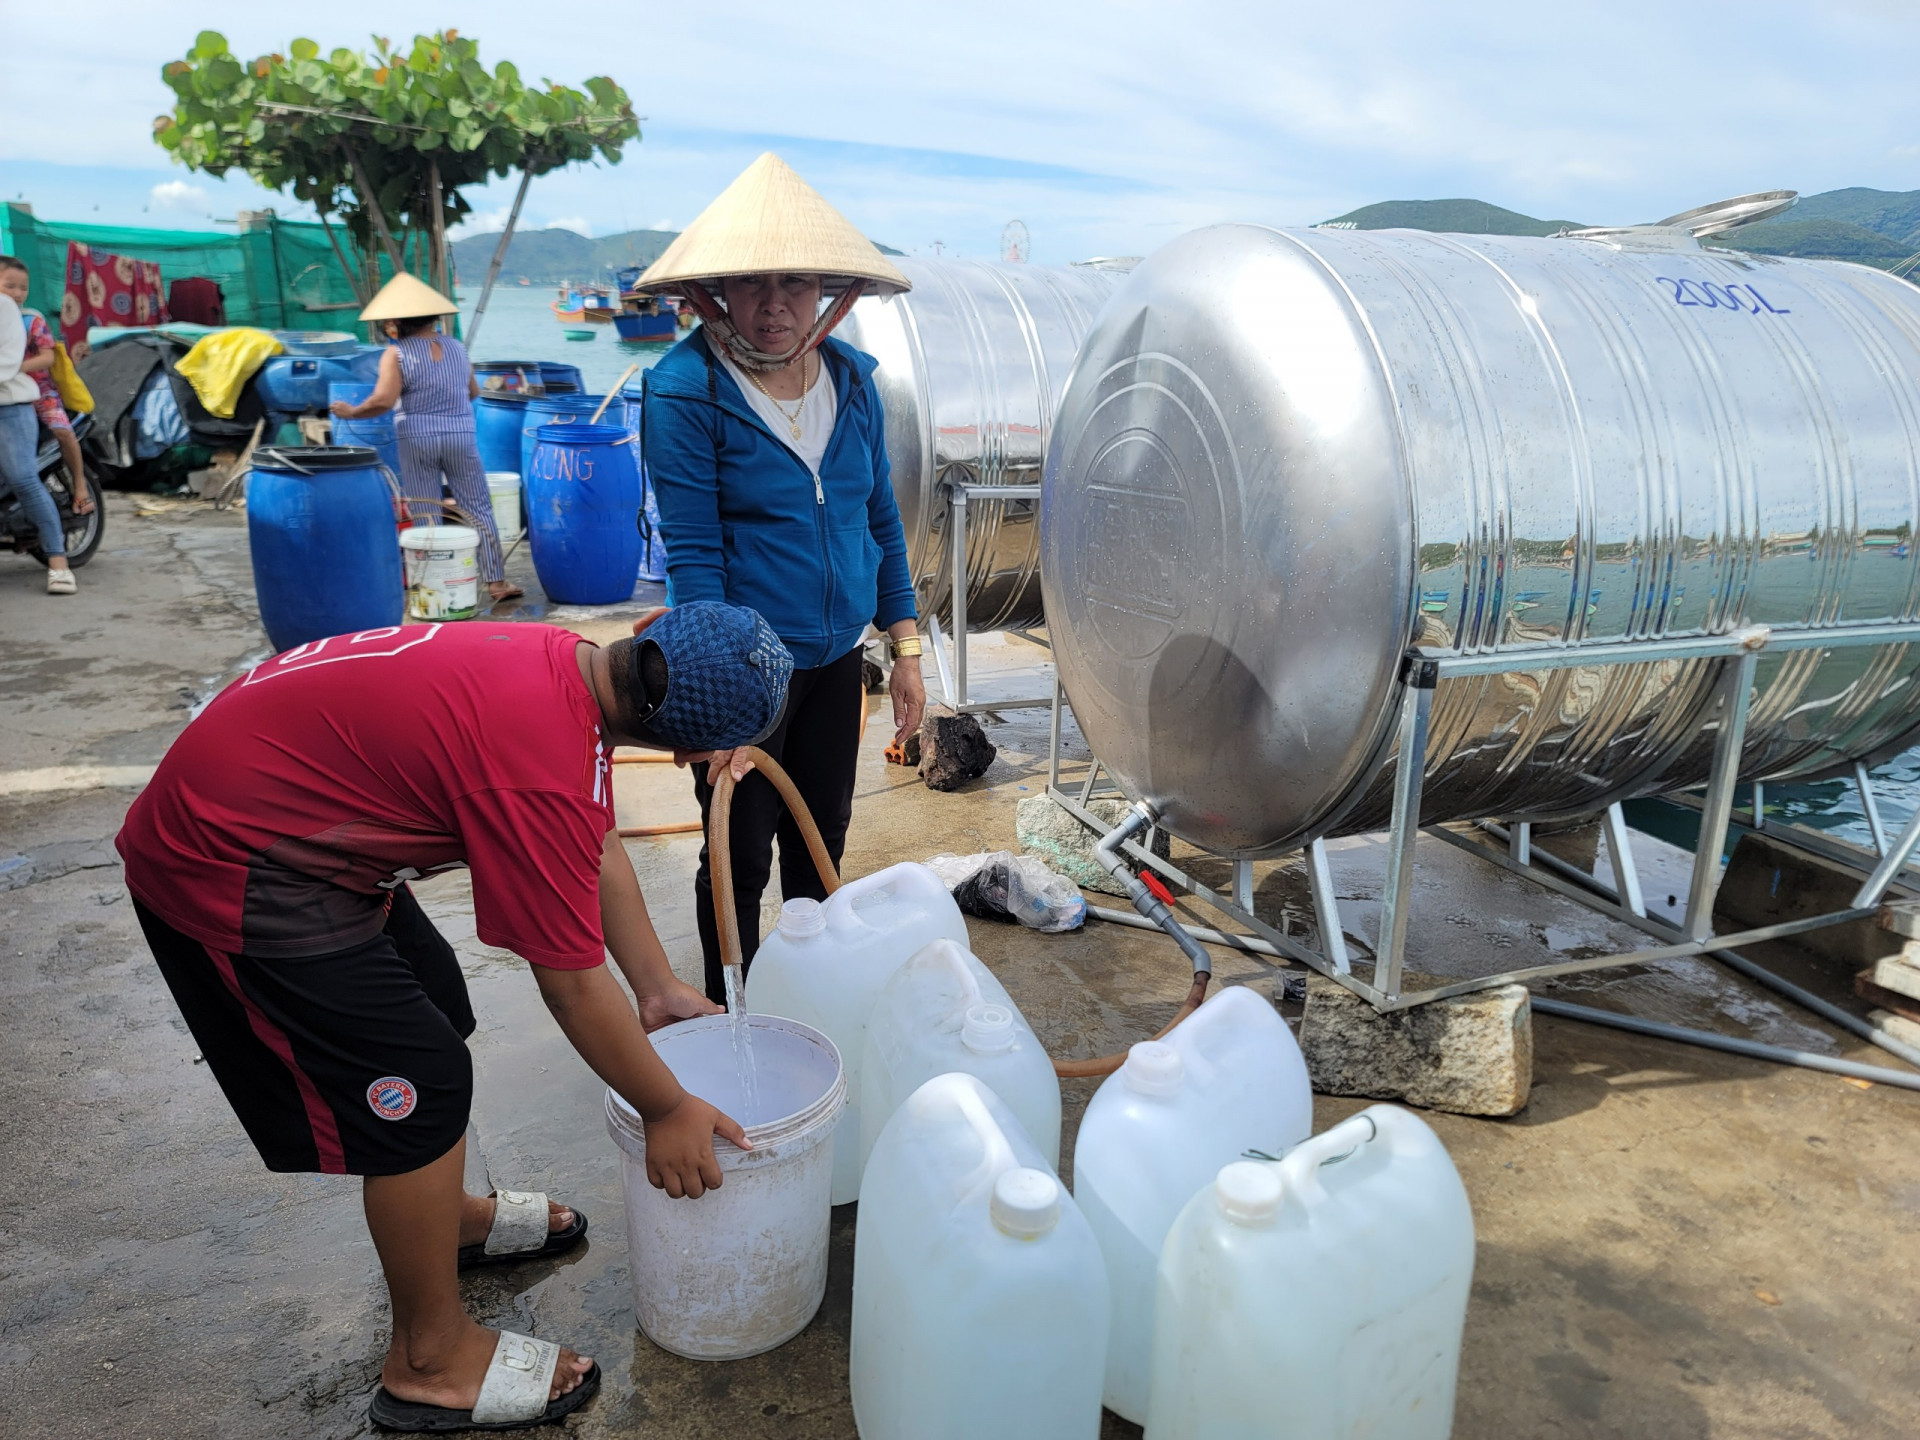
x,y
646,317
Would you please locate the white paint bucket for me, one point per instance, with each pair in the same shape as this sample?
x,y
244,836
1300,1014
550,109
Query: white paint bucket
x,y
743,1268
443,571
503,487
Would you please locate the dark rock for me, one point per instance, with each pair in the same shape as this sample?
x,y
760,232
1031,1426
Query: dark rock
x,y
953,749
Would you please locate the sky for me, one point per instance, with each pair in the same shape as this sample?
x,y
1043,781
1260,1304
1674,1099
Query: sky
x,y
1107,129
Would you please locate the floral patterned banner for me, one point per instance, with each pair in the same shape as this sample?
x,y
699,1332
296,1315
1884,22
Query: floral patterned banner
x,y
107,289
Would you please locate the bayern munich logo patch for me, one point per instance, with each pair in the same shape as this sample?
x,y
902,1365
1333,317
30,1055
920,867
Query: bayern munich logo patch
x,y
392,1098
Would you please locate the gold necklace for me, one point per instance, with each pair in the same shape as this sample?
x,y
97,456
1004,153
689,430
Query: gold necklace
x,y
806,388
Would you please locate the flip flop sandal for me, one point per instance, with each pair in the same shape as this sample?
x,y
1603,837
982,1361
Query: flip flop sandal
x,y
512,1396
522,1230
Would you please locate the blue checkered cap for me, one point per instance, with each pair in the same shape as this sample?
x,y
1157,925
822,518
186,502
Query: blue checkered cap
x,y
727,676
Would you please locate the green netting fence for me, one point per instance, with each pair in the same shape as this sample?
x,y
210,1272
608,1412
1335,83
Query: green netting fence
x,y
277,274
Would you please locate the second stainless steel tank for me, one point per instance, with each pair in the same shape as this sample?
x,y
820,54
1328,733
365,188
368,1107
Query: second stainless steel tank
x,y
1287,455
972,363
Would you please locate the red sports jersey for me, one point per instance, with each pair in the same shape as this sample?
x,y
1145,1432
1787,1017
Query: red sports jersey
x,y
340,769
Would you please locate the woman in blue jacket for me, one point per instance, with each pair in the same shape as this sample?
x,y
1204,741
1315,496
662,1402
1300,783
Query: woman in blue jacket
x,y
766,446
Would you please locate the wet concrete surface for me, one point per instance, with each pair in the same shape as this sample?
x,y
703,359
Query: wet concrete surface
x,y
1672,1242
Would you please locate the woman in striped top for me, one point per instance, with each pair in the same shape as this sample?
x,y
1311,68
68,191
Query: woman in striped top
x,y
428,377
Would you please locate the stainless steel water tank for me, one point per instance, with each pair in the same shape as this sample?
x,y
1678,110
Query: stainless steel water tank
x,y
1286,455
972,363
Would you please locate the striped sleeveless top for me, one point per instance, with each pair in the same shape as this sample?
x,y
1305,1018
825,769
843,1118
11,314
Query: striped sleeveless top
x,y
434,397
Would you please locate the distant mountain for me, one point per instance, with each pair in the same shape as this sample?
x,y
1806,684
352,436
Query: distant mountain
x,y
1455,217
553,257
1817,239
1869,227
1892,213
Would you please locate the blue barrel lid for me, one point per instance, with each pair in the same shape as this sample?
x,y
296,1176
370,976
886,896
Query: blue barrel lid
x,y
306,459
578,434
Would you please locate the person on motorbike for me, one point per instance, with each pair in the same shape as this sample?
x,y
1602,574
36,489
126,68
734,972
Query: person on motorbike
x,y
14,278
20,449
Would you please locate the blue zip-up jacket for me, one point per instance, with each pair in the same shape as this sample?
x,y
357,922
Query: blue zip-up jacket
x,y
743,521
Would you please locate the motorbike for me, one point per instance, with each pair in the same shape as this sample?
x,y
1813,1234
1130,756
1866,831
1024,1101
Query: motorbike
x,y
83,532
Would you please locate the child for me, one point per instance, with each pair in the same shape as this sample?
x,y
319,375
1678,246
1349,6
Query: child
x,y
39,364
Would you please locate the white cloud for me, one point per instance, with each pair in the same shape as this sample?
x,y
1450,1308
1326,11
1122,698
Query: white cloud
x,y
579,224
178,195
483,222
663,225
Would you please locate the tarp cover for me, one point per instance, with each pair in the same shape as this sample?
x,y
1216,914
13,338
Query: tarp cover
x,y
277,274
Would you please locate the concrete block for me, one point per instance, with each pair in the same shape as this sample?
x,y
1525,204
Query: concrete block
x,y
1895,1027
953,749
1767,882
1472,1055
1067,846
1902,917
1897,973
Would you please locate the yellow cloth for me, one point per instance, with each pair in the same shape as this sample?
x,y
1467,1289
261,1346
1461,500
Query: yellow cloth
x,y
74,394
219,365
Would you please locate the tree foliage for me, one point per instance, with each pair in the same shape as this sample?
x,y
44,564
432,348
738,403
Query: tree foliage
x,y
289,121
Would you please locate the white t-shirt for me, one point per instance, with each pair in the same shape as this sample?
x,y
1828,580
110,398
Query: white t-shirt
x,y
815,417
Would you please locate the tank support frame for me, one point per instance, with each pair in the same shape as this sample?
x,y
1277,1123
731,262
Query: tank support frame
x,y
953,680
1510,846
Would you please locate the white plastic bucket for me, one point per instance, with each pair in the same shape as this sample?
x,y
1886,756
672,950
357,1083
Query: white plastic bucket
x,y
743,1268
443,571
503,488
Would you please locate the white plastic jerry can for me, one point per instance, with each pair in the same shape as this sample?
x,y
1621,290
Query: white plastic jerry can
x,y
979,1295
1227,1080
942,1011
824,965
1322,1297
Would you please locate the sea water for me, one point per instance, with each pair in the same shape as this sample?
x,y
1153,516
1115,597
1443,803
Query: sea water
x,y
742,1044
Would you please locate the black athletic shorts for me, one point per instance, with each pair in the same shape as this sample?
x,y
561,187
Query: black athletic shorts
x,y
353,1063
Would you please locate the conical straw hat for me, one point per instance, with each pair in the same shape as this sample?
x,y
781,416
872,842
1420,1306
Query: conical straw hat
x,y
404,297
771,221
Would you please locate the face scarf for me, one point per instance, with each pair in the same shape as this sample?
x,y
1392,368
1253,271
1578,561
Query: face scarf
x,y
714,316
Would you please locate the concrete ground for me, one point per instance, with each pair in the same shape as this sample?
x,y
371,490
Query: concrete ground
x,y
1672,1242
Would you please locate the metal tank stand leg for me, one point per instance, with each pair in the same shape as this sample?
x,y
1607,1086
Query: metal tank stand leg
x,y
940,662
1326,909
1626,876
1758,815
1409,776
1053,733
957,545
1520,842
1736,690
1871,806
1869,894
1243,884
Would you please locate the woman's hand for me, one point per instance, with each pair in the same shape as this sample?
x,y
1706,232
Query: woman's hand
x,y
718,762
675,1000
680,1157
341,410
909,692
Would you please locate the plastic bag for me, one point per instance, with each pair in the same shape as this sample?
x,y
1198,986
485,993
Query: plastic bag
x,y
1000,884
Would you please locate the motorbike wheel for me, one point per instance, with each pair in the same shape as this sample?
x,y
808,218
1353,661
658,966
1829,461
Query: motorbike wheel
x,y
83,532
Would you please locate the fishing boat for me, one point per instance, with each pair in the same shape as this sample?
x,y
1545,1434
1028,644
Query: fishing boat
x,y
575,303
644,317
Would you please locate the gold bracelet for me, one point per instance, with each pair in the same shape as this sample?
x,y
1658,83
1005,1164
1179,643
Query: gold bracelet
x,y
906,646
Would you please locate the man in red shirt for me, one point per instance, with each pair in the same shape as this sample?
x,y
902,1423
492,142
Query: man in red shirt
x,y
268,861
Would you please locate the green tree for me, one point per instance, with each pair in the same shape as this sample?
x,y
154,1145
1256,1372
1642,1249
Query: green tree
x,y
384,141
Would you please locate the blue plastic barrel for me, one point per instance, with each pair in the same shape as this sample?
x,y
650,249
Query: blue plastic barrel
x,y
551,410
297,383
497,423
326,556
561,379
376,432
583,505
